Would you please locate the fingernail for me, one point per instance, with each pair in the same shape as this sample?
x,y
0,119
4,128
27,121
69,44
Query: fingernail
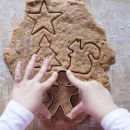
x,y
49,117
19,62
68,71
49,57
34,55
55,72
68,115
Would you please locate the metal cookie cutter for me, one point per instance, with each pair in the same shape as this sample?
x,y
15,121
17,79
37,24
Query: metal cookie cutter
x,y
61,93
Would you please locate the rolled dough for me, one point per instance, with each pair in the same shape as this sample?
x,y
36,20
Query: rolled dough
x,y
66,30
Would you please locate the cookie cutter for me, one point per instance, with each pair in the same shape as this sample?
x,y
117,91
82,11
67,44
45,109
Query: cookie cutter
x,y
62,82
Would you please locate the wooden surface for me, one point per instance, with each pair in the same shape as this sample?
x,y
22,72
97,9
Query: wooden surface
x,y
113,15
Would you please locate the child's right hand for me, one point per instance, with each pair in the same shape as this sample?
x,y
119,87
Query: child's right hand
x,y
95,99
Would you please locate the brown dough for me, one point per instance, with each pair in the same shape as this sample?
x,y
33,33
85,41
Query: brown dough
x,y
66,30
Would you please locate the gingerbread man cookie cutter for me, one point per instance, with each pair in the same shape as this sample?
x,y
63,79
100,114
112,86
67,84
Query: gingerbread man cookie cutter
x,y
61,93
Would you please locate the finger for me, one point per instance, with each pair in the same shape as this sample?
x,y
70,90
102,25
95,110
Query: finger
x,y
45,112
18,72
47,84
76,82
30,67
76,111
43,69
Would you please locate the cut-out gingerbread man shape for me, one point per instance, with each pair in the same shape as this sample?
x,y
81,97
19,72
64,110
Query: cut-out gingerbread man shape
x,y
61,93
80,56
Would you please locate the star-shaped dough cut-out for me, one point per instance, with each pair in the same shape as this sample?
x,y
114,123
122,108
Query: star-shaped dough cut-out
x,y
44,19
61,94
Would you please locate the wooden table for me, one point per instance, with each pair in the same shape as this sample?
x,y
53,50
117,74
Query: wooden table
x,y
114,15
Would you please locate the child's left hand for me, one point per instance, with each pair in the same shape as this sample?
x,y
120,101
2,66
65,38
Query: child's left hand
x,y
29,91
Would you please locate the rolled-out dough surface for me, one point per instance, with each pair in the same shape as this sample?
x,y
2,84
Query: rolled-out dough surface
x,y
123,47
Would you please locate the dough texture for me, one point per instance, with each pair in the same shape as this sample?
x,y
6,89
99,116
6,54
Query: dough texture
x,y
66,30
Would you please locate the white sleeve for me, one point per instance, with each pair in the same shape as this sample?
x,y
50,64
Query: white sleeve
x,y
118,119
15,117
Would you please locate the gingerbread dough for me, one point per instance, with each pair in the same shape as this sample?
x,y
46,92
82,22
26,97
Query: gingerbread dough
x,y
66,30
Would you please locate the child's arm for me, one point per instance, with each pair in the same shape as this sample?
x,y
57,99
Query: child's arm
x,y
97,101
15,117
118,119
27,96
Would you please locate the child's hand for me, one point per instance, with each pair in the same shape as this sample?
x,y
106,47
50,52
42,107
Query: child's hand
x,y
95,99
29,92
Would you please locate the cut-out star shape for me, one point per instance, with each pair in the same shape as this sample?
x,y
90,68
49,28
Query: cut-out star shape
x,y
44,19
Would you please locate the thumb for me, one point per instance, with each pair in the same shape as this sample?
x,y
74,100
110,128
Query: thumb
x,y
76,111
75,81
49,83
45,112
